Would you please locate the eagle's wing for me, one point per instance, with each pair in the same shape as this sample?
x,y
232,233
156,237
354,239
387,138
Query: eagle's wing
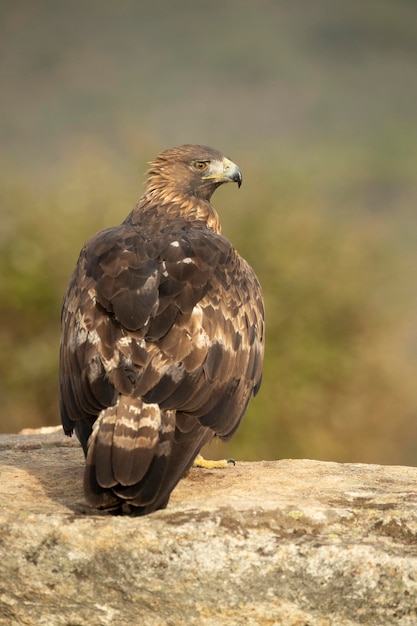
x,y
163,337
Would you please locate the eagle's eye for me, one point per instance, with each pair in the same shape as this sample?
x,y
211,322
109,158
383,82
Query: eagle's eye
x,y
201,165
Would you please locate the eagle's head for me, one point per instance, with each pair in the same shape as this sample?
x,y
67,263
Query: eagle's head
x,y
191,170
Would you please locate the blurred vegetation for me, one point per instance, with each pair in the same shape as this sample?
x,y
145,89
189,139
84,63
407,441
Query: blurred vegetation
x,y
319,121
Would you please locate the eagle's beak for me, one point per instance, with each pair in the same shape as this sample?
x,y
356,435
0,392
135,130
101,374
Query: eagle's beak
x,y
232,172
224,172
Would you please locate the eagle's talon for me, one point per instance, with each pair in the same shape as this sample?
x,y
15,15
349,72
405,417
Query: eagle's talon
x,y
203,463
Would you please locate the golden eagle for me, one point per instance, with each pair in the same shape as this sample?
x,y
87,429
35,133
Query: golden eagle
x,y
162,336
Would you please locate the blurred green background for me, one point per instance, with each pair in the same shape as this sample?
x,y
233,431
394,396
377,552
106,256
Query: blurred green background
x,y
317,102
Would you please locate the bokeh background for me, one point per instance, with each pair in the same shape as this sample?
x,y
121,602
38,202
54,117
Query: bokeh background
x,y
317,102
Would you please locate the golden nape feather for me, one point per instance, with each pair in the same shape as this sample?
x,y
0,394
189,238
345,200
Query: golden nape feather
x,y
162,336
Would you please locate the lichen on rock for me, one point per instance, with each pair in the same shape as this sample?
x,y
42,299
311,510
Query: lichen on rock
x,y
291,542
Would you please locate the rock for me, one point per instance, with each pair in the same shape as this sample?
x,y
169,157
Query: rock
x,y
292,542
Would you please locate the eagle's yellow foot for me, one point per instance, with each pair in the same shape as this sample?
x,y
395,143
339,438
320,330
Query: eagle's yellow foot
x,y
200,461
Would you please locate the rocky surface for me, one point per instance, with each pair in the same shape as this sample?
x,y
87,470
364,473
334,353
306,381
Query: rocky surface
x,y
292,542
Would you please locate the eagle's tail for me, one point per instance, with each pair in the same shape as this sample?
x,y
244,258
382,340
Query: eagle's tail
x,y
128,454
